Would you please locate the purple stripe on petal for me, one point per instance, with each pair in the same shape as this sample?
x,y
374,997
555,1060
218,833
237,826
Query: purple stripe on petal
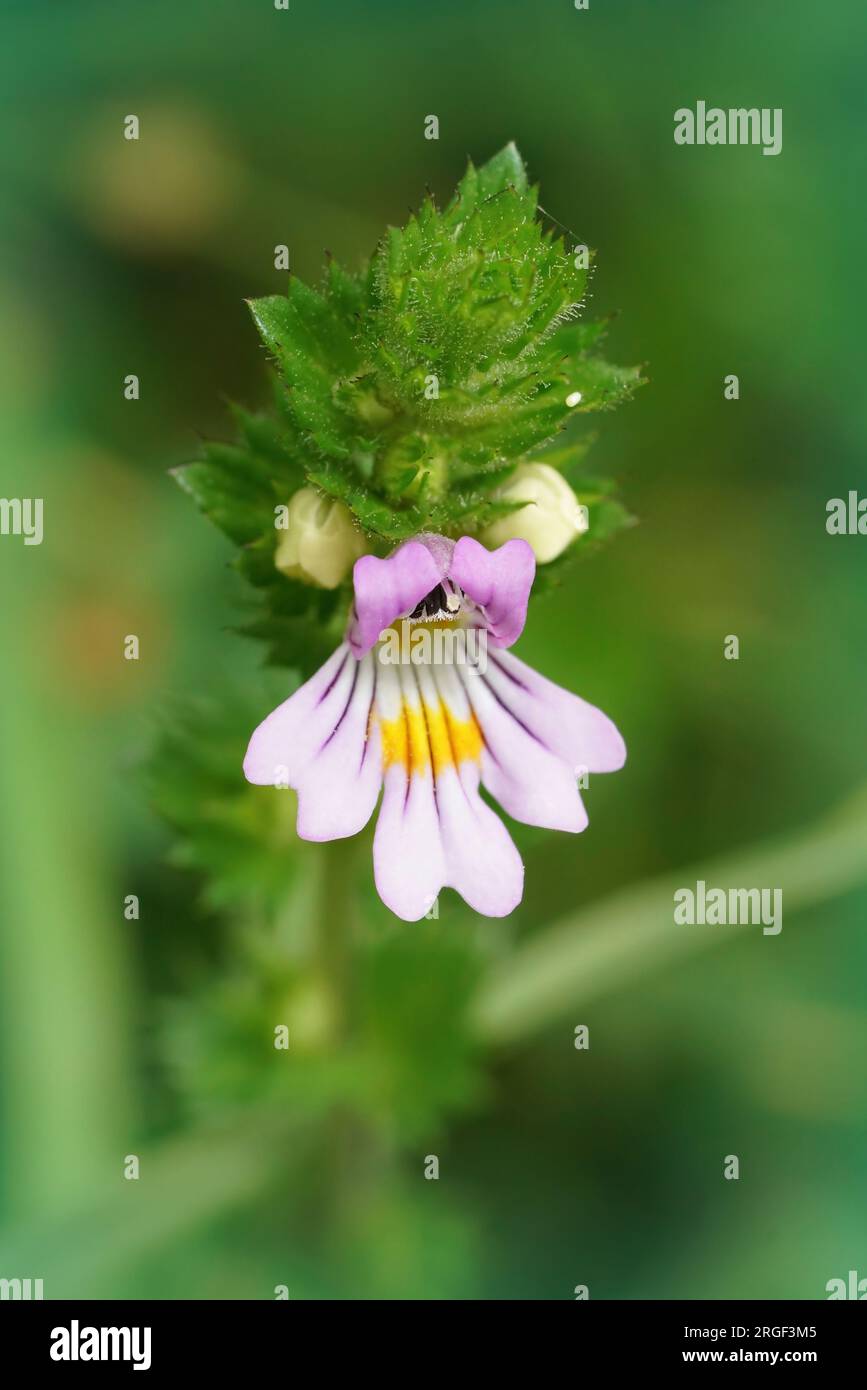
x,y
527,778
290,737
338,789
572,729
408,861
435,831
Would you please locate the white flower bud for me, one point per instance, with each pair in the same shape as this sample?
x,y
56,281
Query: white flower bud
x,y
321,542
552,518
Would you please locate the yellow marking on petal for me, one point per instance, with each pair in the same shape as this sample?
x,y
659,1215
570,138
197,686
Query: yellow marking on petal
x,y
438,736
429,735
419,748
395,741
465,737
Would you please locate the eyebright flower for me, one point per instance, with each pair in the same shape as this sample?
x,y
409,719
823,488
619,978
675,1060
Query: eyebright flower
x,y
551,518
427,731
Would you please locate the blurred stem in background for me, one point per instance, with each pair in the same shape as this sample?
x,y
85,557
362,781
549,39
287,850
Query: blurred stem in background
x,y
337,919
64,977
597,950
631,933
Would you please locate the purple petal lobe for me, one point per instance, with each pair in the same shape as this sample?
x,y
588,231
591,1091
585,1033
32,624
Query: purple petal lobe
x,y
320,743
388,589
288,739
408,861
483,863
499,581
338,790
434,830
528,780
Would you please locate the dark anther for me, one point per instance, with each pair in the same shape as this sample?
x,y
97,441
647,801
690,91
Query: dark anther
x,y
432,604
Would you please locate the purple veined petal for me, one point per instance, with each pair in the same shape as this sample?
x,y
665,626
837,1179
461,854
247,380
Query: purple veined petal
x,y
528,780
499,581
408,864
389,589
322,742
578,732
284,743
339,788
434,830
408,861
482,862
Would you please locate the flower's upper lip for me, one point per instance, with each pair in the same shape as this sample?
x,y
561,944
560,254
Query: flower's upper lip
x,y
497,581
387,589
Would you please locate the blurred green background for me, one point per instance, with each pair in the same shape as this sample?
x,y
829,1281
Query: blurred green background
x,y
454,1037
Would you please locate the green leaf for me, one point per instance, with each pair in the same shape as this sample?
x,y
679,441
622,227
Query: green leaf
x,y
237,840
505,170
233,488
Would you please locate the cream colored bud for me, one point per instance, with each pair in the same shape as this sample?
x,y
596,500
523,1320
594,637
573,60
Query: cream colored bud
x,y
550,521
319,542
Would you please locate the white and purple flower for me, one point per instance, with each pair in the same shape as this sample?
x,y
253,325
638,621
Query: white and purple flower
x,y
426,734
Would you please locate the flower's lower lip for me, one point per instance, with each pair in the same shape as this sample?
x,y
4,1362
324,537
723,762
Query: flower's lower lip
x,y
427,736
